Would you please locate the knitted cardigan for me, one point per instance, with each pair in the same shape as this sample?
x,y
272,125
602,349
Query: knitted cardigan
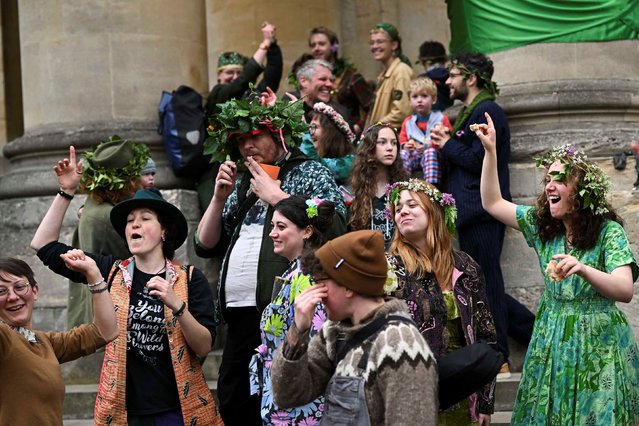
x,y
400,376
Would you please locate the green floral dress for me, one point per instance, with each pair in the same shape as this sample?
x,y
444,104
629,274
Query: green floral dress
x,y
582,365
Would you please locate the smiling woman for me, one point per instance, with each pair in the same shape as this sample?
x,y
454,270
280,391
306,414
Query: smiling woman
x,y
149,289
299,226
29,359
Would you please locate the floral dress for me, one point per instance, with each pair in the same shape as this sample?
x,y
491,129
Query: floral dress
x,y
582,365
276,320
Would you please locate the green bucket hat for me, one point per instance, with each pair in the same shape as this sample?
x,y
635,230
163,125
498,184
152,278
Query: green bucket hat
x,y
112,163
152,201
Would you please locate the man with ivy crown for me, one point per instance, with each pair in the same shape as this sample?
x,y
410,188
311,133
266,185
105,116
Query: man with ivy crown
x,y
253,134
481,236
111,173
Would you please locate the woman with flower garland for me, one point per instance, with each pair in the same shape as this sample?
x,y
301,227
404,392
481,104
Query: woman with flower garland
x,y
444,288
377,164
331,141
151,373
582,364
298,226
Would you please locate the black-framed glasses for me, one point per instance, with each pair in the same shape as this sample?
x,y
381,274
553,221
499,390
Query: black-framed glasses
x,y
20,289
455,74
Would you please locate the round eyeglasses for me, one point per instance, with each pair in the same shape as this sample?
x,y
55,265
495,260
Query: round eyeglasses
x,y
19,289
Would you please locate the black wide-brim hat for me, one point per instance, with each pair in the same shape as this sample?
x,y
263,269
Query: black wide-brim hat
x,y
151,201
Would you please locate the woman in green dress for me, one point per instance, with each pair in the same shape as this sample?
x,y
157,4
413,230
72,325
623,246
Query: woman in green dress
x,y
582,365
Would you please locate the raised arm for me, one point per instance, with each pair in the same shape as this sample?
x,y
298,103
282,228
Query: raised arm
x,y
491,199
103,310
68,173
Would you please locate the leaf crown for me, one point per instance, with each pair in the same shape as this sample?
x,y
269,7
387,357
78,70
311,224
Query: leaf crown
x,y
594,186
250,115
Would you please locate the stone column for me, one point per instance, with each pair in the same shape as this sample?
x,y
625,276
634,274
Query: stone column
x,y
90,69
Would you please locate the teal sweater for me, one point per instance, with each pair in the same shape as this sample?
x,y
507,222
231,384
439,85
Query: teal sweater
x,y
339,167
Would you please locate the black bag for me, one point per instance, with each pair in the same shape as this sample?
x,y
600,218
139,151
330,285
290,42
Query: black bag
x,y
182,124
464,371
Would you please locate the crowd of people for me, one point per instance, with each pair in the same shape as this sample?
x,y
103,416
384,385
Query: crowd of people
x,y
337,211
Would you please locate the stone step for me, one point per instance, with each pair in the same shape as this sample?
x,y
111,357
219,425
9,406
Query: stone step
x,y
499,418
505,392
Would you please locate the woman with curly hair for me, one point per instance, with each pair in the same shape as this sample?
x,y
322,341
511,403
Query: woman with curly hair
x,y
582,364
330,140
376,165
444,288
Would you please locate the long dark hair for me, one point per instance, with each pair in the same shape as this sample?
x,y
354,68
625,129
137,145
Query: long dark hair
x,y
586,226
333,142
294,209
364,176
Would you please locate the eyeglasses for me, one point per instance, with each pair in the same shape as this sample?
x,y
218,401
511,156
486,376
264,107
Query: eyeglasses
x,y
19,289
455,74
312,128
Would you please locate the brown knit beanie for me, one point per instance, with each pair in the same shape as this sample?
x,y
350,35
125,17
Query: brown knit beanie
x,y
356,261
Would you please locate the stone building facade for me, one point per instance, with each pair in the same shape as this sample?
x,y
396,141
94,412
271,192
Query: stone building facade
x,y
88,69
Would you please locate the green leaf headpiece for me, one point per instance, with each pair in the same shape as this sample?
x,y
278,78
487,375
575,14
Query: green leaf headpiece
x,y
112,163
241,116
595,185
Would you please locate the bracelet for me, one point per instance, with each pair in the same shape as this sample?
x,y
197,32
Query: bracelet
x,y
180,311
99,290
65,195
97,284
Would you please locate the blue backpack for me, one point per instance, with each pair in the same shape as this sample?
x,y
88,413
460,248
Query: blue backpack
x,y
182,124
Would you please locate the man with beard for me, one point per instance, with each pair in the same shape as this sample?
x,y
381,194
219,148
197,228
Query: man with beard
x,y
481,236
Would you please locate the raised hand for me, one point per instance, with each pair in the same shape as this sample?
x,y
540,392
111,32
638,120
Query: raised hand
x,y
487,134
305,304
77,261
263,185
268,98
225,180
268,31
69,172
161,288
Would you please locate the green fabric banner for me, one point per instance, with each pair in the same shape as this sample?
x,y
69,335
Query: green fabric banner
x,y
492,25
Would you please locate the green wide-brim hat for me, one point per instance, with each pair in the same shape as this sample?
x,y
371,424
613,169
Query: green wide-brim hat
x,y
152,201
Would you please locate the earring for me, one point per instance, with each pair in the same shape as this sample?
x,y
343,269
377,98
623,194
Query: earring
x,y
163,237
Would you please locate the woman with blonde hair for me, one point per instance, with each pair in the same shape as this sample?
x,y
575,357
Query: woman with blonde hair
x,y
443,288
377,164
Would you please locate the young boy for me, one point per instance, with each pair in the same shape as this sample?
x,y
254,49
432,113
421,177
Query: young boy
x,y
147,176
414,137
385,376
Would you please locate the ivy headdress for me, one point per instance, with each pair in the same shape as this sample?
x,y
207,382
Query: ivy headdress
x,y
442,199
250,115
489,85
112,163
594,186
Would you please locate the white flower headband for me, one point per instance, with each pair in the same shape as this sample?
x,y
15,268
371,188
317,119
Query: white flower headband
x,y
336,118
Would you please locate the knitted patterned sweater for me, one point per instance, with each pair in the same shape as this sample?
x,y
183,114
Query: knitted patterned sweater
x,y
400,376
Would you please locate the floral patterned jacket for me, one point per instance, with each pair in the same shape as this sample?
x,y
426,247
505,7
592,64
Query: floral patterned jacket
x,y
426,306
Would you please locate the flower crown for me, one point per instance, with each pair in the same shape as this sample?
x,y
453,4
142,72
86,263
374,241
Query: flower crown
x,y
336,118
240,116
443,199
595,185
372,126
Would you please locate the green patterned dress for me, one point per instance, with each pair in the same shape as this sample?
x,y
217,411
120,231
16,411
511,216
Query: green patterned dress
x,y
582,365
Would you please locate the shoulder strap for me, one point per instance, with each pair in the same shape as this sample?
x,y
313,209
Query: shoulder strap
x,y
367,331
